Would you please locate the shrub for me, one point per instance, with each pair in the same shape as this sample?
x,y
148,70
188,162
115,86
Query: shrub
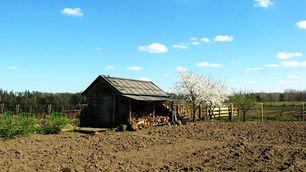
x,y
54,123
13,126
27,124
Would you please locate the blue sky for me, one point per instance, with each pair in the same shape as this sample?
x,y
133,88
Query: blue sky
x,y
63,45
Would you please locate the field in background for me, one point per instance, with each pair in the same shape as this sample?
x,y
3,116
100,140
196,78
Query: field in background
x,y
267,111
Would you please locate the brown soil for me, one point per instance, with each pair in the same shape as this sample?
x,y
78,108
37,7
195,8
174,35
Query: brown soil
x,y
201,146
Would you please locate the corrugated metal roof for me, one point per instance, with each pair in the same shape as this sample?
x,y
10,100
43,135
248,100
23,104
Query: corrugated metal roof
x,y
135,87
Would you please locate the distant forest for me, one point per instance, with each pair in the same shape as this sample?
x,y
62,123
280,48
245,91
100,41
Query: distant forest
x,y
287,95
35,98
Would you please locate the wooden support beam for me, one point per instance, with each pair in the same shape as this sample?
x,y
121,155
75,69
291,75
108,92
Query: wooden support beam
x,y
130,111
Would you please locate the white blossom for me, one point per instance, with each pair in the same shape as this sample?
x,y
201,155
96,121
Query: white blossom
x,y
199,89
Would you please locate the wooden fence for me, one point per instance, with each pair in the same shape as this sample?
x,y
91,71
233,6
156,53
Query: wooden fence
x,y
32,109
203,112
262,112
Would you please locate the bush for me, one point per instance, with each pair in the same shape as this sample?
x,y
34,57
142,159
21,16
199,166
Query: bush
x,y
54,123
13,126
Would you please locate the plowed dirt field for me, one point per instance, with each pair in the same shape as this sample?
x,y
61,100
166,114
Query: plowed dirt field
x,y
200,146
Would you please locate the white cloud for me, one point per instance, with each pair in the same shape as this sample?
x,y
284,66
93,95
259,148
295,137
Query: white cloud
x,y
263,3
288,82
134,68
13,67
293,64
254,69
181,69
181,45
232,62
72,12
205,40
251,82
153,48
110,67
288,55
166,75
224,38
195,43
301,24
145,79
193,39
98,49
292,76
207,64
272,65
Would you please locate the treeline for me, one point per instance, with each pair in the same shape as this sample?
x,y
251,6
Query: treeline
x,y
287,95
35,98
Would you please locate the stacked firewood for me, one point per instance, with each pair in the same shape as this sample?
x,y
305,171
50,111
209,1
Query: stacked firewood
x,y
148,122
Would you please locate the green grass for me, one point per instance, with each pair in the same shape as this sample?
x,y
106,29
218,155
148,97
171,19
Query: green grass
x,y
12,126
54,123
21,125
280,104
266,118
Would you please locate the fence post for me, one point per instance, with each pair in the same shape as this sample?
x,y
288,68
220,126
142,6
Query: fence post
x,y
30,110
49,109
2,108
17,108
200,117
231,112
262,111
303,111
219,111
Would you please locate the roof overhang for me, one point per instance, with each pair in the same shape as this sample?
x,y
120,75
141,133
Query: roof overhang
x,y
146,98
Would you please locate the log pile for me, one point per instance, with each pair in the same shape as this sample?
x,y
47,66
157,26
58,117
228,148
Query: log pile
x,y
148,122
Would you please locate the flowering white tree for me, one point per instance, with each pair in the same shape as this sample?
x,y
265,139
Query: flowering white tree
x,y
197,89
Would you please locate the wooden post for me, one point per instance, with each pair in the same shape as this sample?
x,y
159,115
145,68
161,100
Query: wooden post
x,y
219,111
63,108
2,108
49,109
261,110
30,109
172,109
207,113
17,108
303,112
153,114
231,112
200,116
130,112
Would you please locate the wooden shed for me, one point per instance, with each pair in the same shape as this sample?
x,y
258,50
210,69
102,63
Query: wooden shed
x,y
112,100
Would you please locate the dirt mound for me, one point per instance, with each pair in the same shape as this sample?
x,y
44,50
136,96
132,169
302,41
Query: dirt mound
x,y
209,146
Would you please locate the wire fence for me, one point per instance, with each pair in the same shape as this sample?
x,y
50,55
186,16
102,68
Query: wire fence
x,y
38,109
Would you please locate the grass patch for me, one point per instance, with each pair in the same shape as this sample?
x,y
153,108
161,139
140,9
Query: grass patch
x,y
54,123
22,125
12,126
266,118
